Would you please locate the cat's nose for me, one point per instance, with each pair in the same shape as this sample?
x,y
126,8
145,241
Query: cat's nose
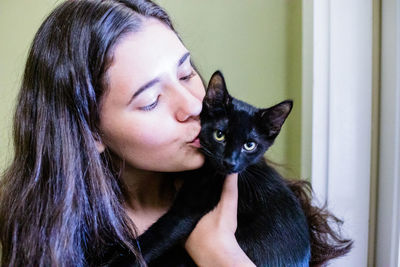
x,y
229,164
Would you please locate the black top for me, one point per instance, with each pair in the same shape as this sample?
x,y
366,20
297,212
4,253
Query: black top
x,y
176,256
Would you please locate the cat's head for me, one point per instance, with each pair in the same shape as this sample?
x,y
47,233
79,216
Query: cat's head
x,y
235,134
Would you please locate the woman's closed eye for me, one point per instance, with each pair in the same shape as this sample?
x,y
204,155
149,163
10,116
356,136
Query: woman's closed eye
x,y
188,77
151,106
154,103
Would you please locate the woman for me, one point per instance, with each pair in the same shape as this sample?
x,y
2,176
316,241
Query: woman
x,y
109,103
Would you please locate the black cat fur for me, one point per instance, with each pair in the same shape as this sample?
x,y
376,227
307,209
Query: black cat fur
x,y
277,225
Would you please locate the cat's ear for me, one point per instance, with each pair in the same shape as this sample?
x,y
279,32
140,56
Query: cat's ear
x,y
217,93
274,117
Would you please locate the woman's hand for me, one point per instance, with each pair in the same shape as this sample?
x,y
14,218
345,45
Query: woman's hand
x,y
213,242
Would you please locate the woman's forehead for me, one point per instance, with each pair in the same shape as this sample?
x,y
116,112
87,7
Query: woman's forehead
x,y
149,50
141,56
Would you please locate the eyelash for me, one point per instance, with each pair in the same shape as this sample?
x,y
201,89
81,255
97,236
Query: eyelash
x,y
151,106
191,75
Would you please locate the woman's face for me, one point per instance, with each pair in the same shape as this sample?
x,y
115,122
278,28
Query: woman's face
x,y
150,113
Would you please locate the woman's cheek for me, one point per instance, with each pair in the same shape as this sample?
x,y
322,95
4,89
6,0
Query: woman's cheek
x,y
158,132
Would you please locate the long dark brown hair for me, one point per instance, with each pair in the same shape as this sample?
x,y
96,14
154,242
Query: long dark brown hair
x,y
326,238
60,202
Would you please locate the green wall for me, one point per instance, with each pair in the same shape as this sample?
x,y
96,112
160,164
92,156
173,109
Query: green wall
x,y
256,44
19,20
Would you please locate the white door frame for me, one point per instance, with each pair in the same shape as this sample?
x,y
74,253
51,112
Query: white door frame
x,y
388,220
342,61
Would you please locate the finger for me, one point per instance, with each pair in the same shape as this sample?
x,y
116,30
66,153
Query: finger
x,y
229,196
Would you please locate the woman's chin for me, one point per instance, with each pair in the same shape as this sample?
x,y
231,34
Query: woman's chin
x,y
194,162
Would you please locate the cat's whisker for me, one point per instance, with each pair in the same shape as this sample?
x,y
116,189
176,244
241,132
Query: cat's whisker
x,y
208,153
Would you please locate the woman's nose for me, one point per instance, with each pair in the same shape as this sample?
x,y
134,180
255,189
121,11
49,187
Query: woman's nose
x,y
187,104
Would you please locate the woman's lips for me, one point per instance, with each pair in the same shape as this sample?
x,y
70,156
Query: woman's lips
x,y
195,142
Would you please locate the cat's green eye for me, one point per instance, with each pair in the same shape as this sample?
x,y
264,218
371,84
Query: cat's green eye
x,y
250,146
219,135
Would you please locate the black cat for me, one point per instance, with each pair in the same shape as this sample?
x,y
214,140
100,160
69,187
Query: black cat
x,y
272,228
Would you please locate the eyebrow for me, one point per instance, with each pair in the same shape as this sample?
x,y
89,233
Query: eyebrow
x,y
156,80
183,58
